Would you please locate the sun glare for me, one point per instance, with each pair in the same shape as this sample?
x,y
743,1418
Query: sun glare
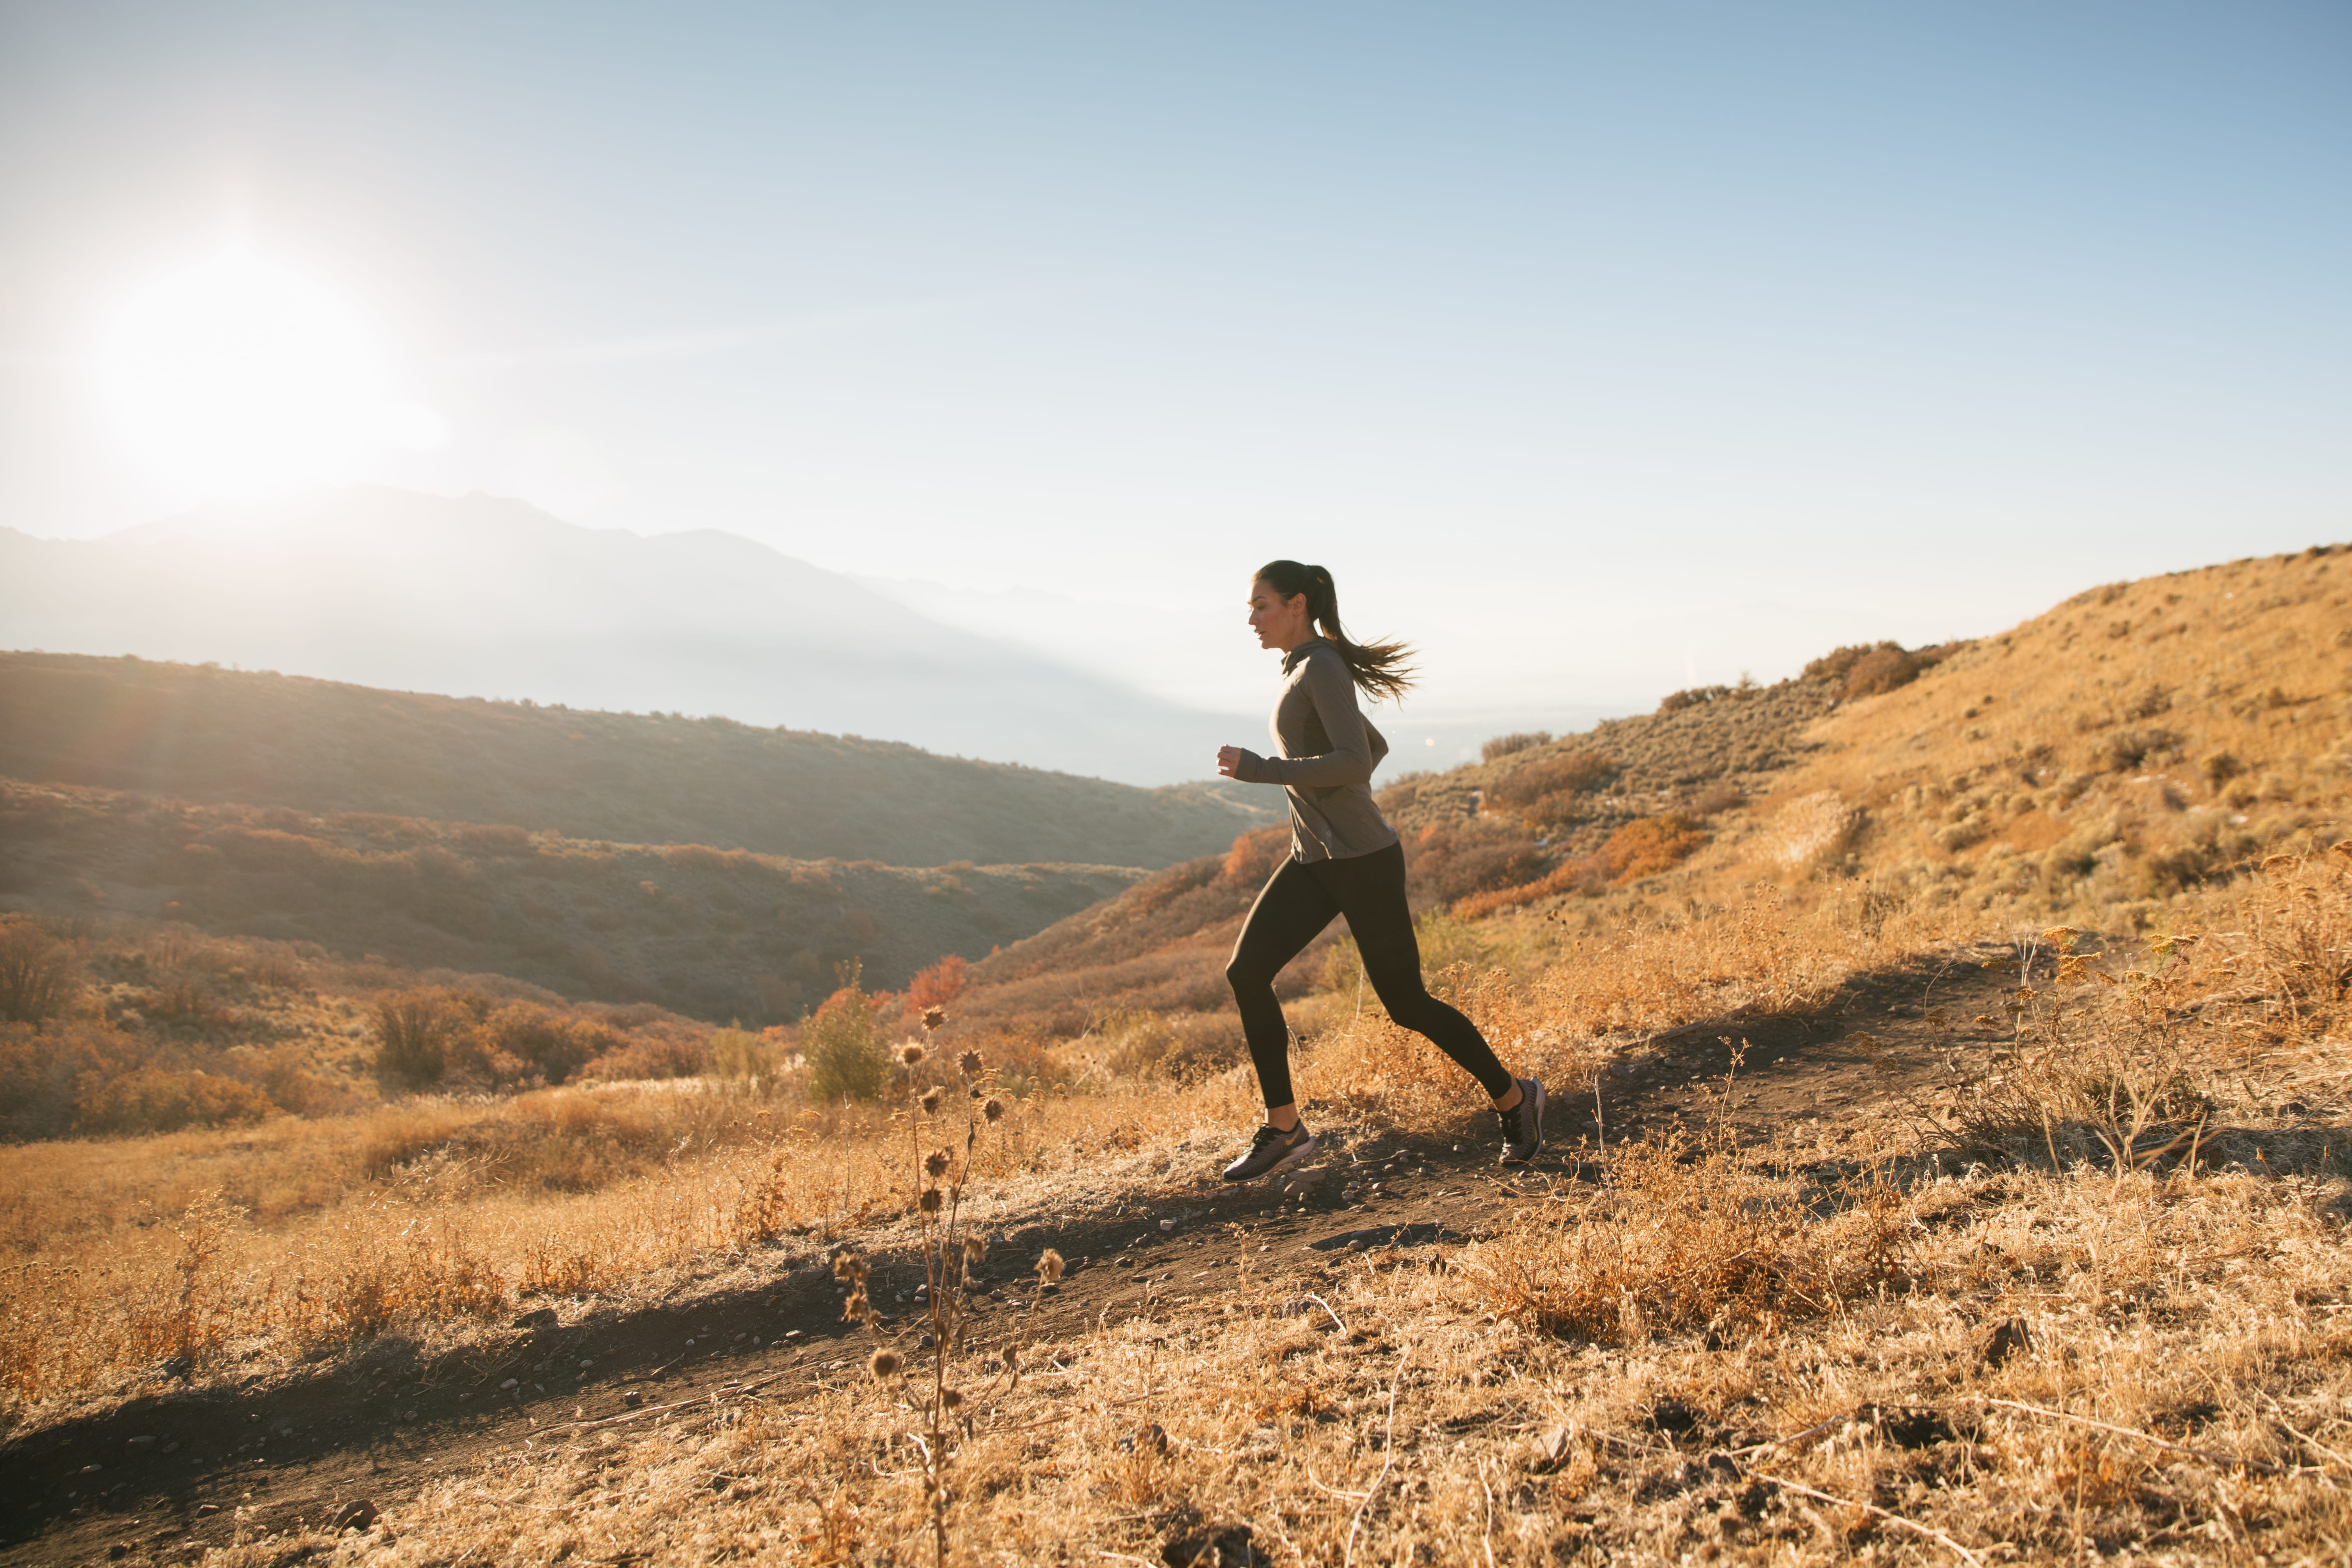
x,y
236,372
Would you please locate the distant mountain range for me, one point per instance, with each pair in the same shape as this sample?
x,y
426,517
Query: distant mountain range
x,y
488,597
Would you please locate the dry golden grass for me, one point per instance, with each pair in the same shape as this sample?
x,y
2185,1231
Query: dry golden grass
x,y
421,1215
2097,763
1709,1353
425,1216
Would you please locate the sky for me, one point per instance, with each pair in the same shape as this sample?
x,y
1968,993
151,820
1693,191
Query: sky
x,y
1598,350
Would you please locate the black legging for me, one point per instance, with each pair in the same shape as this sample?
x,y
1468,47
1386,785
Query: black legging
x,y
1292,910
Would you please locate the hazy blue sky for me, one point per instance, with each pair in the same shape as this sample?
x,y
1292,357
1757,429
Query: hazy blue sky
x,y
1598,349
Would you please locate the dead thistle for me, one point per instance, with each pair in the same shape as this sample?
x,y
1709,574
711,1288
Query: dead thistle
x,y
951,1258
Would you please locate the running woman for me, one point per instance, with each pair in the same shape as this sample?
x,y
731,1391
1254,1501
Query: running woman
x,y
1344,860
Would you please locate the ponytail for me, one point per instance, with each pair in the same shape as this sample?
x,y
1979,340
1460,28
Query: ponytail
x,y
1380,670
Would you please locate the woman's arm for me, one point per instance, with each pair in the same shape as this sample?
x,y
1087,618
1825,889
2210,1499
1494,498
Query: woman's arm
x,y
1351,759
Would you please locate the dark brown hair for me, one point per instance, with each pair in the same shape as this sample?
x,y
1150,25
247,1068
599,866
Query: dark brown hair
x,y
1379,668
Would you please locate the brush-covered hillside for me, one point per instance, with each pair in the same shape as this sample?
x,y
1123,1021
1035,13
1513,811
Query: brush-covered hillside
x,y
717,934
2097,763
199,733
2094,764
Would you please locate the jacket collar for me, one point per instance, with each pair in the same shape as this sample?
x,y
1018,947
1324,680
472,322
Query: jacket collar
x,y
1290,660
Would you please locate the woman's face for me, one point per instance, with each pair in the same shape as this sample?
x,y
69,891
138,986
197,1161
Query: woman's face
x,y
1278,622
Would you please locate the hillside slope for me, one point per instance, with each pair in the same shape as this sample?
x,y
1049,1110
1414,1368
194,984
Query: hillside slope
x,y
2097,763
716,934
197,733
2094,765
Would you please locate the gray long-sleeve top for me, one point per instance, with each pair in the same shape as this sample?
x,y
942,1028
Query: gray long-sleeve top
x,y
1326,752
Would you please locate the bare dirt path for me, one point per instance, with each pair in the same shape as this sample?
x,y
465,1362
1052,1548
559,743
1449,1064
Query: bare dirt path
x,y
162,1478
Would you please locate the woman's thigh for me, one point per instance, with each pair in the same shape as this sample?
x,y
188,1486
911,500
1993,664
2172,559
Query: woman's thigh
x,y
1369,890
1291,910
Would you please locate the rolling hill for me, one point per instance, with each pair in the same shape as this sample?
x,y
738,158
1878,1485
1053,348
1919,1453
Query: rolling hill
x,y
714,934
201,734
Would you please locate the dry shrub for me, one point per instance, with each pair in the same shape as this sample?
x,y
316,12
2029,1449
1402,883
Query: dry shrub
x,y
2099,1068
1253,857
38,973
2128,750
428,1036
671,1053
1517,740
1443,864
151,1099
413,1031
1024,1060
1181,1048
1696,697
745,1058
1716,798
286,1075
1648,845
938,985
2297,937
1866,669
1586,874
1687,1233
1578,772
523,1042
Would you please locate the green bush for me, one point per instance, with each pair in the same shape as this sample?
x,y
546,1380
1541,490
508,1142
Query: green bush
x,y
847,1058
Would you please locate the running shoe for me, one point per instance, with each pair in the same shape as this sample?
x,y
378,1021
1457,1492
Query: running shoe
x,y
1523,1124
1272,1150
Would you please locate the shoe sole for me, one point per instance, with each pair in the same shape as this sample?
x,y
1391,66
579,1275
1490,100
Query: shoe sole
x,y
1280,1165
1541,1100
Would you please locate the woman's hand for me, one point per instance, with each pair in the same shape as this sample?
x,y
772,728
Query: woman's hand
x,y
1228,759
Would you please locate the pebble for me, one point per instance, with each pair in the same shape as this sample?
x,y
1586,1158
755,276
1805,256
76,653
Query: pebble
x,y
511,1383
1167,1225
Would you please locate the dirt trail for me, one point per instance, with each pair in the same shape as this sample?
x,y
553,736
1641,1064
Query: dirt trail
x,y
160,1479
